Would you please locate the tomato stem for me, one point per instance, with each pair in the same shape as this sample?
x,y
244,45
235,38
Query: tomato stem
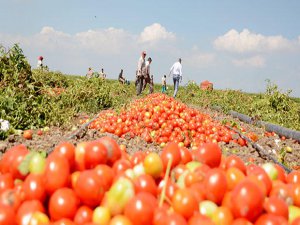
x,y
163,193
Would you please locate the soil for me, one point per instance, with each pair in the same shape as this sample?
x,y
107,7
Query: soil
x,y
273,146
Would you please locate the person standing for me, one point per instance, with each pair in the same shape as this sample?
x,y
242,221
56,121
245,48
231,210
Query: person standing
x,y
140,73
40,62
121,77
176,70
147,79
164,84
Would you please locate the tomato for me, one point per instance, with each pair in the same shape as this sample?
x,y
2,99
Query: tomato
x,y
222,216
186,155
34,187
233,177
170,188
95,154
153,165
241,221
200,219
276,206
66,149
140,209
281,173
39,218
184,202
113,149
261,174
282,191
235,161
11,198
215,185
26,209
80,156
295,188
57,173
6,182
198,191
175,219
63,203
120,220
145,183
270,219
106,174
171,151
64,222
121,165
89,188
209,154
137,157
27,134
293,177
247,200
83,215
7,215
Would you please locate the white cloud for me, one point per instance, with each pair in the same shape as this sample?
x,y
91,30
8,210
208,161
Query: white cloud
x,y
155,33
256,61
247,41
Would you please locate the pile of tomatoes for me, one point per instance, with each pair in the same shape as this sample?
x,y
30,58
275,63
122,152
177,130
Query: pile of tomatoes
x,y
99,183
159,118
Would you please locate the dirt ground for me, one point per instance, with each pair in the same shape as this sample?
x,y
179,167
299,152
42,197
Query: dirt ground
x,y
286,151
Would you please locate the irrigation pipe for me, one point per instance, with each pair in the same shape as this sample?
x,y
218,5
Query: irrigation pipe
x,y
260,149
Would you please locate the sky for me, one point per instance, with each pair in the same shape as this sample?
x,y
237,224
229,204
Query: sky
x,y
235,44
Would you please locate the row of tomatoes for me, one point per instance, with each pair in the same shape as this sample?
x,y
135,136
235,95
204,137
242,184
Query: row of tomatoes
x,y
97,182
159,118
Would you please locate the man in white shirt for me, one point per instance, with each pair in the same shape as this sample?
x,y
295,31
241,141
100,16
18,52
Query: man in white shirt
x,y
147,78
141,73
176,70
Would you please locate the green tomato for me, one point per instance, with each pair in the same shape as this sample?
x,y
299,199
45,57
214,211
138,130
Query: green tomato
x,y
193,165
101,215
207,208
294,212
37,164
270,170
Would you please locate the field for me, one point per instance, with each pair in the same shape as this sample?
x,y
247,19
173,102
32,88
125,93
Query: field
x,y
46,108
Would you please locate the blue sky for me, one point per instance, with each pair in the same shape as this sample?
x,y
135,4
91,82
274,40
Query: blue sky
x,y
234,44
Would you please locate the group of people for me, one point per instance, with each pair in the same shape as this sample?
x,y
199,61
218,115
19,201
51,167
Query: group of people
x,y
143,75
91,73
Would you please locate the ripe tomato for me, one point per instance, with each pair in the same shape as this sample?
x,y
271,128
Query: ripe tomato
x,y
276,206
200,219
271,219
106,174
261,174
185,203
215,185
11,198
34,187
222,216
170,188
121,165
120,220
140,209
233,177
241,221
137,157
95,154
113,149
293,177
247,200
209,154
63,203
145,183
186,155
26,209
66,149
83,215
7,215
235,161
57,173
6,182
89,188
153,164
27,134
171,151
64,222
175,219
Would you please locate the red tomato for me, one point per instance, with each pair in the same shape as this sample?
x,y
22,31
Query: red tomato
x,y
209,154
89,188
200,219
270,219
66,149
137,157
186,155
241,221
7,215
57,173
83,215
222,216
11,198
235,161
145,183
276,206
26,210
27,134
281,173
247,200
6,182
175,219
185,203
171,151
293,177
63,203
140,209
121,165
261,174
95,154
234,176
64,222
106,174
215,185
113,149
170,189
34,187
